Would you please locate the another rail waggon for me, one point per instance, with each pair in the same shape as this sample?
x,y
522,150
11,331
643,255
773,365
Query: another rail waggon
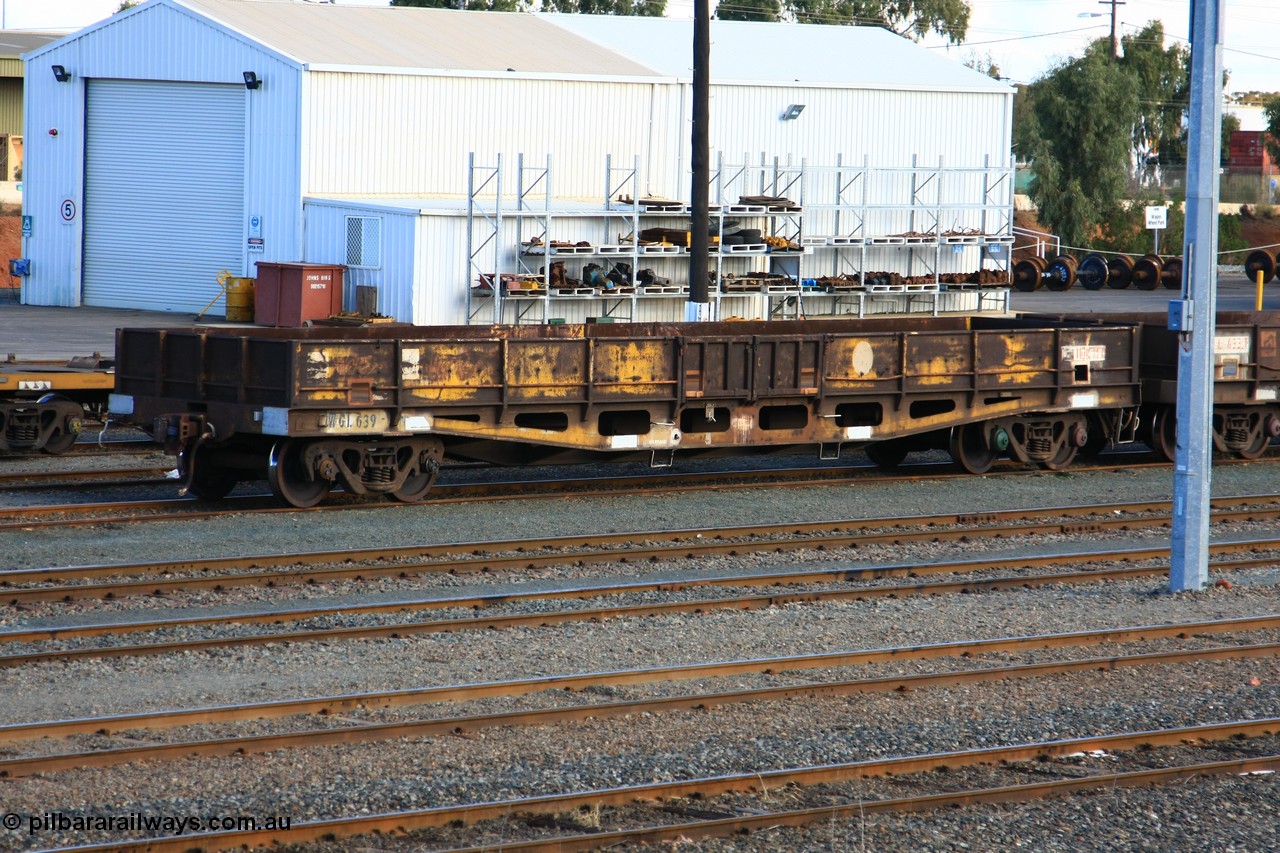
x,y
375,409
44,404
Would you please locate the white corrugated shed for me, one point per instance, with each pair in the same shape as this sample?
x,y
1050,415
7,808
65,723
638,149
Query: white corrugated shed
x,y
161,41
360,108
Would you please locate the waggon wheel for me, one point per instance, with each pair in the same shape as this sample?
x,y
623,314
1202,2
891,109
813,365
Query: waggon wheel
x,y
1119,272
1164,433
1063,459
208,482
969,451
288,477
416,485
1147,271
1093,273
1257,448
1260,261
886,454
59,443
62,441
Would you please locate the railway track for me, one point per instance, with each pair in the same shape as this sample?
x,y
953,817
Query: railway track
x,y
149,510
702,788
162,578
279,739
571,685
541,619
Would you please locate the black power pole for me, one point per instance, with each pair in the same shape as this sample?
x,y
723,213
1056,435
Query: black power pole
x,y
700,161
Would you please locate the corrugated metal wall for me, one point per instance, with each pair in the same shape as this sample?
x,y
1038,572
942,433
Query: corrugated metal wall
x,y
11,106
326,241
375,134
179,47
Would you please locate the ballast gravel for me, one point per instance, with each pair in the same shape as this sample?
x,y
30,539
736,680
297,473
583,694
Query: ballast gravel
x,y
489,764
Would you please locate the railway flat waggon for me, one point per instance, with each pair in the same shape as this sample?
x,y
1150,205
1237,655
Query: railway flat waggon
x,y
375,409
1246,382
44,404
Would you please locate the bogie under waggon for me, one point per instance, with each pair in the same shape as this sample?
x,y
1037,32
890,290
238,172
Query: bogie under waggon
x,y
375,409
44,404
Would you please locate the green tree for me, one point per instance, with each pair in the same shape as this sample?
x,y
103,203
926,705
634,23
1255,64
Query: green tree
x,y
472,5
1230,124
1084,112
750,10
1272,140
911,18
1164,90
646,8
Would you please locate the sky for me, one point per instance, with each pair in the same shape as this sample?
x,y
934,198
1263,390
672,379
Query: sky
x,y
1024,38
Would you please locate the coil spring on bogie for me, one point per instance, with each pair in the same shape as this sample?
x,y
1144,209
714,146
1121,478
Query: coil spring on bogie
x,y
22,433
1039,446
1236,436
379,474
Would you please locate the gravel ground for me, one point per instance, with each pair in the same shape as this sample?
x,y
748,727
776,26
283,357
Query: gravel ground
x,y
1238,813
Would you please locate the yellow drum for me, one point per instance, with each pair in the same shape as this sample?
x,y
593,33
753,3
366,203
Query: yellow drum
x,y
239,298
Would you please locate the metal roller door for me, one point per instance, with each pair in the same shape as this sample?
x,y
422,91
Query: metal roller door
x,y
164,193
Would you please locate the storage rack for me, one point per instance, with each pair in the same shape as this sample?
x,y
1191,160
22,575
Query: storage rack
x,y
752,279
936,221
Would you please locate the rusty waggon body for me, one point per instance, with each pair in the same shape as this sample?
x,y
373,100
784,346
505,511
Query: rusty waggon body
x,y
375,409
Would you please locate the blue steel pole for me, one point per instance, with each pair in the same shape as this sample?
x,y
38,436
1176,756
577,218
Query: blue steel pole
x,y
1197,311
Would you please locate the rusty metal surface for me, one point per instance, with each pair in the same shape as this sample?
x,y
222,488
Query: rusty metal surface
x,y
585,549
238,745
156,720
400,822
590,614
611,387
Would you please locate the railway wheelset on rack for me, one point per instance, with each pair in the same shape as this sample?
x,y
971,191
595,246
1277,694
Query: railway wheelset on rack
x,y
374,410
1096,271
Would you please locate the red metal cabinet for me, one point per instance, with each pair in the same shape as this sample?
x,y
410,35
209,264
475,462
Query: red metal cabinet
x,y
289,294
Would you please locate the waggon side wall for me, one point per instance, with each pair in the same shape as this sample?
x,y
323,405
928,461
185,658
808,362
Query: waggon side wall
x,y
633,387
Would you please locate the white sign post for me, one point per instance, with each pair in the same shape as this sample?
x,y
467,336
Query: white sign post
x,y
1157,221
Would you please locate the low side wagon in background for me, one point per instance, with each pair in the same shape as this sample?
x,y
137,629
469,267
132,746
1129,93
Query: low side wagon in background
x,y
375,409
44,404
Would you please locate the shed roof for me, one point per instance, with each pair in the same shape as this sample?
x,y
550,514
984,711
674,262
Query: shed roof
x,y
804,54
14,43
418,38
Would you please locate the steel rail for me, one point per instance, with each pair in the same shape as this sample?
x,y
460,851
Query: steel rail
x,y
696,534
543,619
406,821
712,543
32,480
372,732
724,827
626,537
684,672
190,508
1104,511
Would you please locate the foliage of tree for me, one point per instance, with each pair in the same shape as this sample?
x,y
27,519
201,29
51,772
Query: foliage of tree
x,y
472,5
1083,114
1126,231
1272,139
1164,87
644,8
750,10
983,65
911,18
1230,124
